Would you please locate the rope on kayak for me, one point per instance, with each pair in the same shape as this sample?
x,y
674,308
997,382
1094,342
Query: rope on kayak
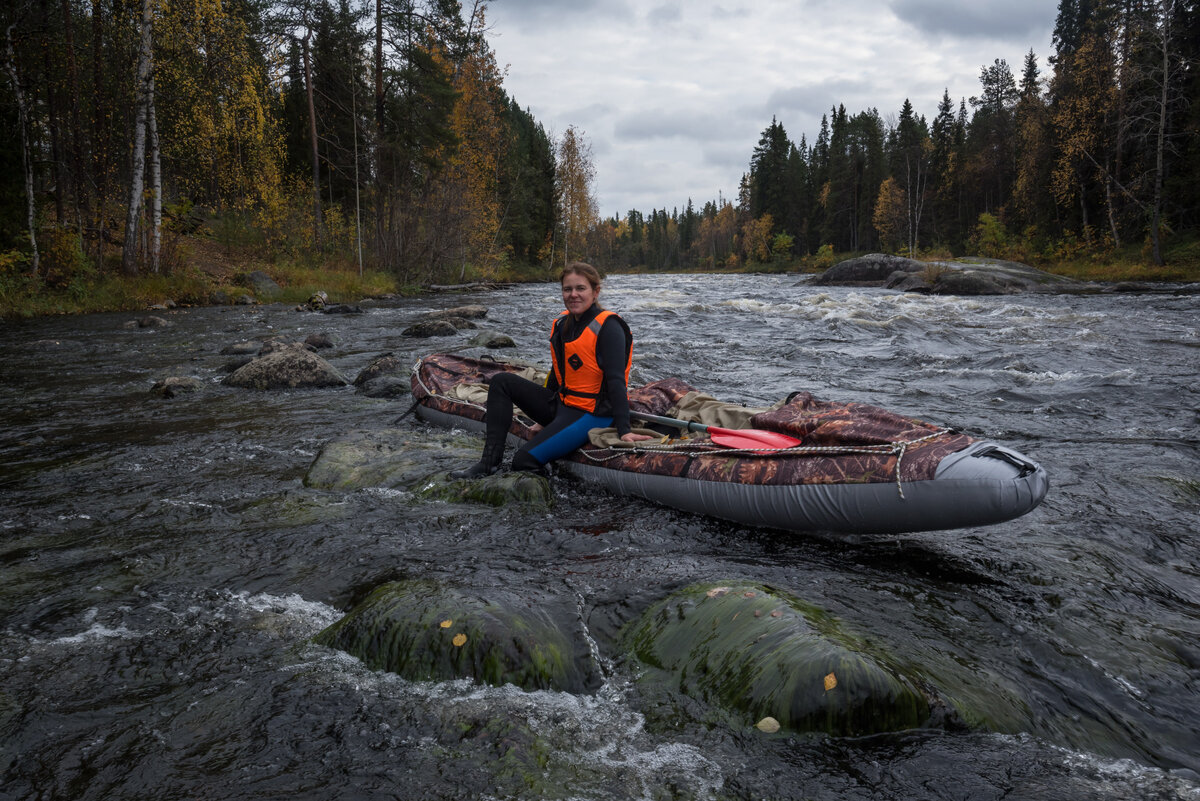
x,y
705,449
694,448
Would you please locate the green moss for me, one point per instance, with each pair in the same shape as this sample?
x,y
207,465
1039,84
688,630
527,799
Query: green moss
x,y
500,489
427,632
748,649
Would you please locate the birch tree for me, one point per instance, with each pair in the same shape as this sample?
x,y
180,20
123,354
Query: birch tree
x,y
23,120
138,167
573,181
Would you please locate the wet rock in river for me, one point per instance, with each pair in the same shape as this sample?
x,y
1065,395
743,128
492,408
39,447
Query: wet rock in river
x,y
381,365
149,321
288,366
499,489
460,312
389,458
425,631
249,346
395,459
874,268
430,328
319,341
962,276
176,385
756,652
492,339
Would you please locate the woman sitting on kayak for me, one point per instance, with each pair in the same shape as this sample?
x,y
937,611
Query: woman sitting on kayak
x,y
591,350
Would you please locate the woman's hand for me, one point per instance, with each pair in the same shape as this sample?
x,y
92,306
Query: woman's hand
x,y
633,436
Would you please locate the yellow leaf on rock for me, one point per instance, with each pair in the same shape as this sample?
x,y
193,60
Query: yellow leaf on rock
x,y
830,682
446,624
459,640
769,725
716,591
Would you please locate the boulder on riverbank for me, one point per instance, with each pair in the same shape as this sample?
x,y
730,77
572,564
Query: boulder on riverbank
x,y
263,285
758,653
964,276
286,366
426,631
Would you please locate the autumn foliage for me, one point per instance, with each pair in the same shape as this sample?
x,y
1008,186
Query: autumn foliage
x,y
382,136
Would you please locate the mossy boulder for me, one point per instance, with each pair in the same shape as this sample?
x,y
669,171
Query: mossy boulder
x,y
425,631
758,653
389,458
499,489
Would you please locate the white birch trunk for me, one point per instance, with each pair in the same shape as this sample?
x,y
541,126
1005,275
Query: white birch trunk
x,y
23,117
138,172
155,185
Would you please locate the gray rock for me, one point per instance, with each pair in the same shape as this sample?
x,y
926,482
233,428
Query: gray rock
x,y
975,282
908,282
342,308
432,328
219,297
389,458
319,341
288,366
874,268
150,321
963,276
465,312
236,362
242,348
492,339
386,386
264,286
176,385
383,365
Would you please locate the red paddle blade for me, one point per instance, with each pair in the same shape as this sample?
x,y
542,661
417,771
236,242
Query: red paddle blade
x,y
751,438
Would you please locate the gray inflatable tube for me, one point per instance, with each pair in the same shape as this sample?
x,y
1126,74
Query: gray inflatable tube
x,y
983,484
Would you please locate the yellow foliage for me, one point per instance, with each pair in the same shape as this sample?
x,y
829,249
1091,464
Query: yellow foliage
x,y
891,217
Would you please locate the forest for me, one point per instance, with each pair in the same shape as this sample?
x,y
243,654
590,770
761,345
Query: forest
x,y
378,137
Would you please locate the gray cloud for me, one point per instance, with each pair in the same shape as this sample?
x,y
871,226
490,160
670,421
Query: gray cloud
x,y
673,95
692,124
816,98
991,20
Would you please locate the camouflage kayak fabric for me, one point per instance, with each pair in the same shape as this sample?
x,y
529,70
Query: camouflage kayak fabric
x,y
841,443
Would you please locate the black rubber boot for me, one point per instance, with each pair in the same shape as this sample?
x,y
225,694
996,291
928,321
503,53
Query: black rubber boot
x,y
493,453
527,464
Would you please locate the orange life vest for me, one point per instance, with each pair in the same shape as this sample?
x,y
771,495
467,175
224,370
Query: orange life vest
x,y
580,378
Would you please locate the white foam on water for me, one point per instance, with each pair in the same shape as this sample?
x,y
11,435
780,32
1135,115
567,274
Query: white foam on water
x,y
313,613
96,631
598,733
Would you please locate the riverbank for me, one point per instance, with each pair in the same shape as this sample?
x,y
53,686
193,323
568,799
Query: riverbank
x,y
209,273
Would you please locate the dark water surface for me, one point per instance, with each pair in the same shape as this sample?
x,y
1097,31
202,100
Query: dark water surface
x,y
162,565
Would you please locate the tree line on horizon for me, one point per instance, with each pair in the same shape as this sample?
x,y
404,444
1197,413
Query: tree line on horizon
x,y
1101,153
382,135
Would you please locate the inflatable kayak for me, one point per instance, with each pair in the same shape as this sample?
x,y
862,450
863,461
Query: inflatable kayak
x,y
826,466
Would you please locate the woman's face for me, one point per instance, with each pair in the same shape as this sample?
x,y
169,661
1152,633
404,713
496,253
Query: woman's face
x,y
578,294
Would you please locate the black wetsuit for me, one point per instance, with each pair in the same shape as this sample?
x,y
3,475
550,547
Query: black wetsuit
x,y
565,427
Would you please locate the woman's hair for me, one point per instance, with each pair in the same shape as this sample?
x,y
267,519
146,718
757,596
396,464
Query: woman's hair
x,y
582,268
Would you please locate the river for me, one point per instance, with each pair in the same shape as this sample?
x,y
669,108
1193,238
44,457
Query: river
x,y
162,565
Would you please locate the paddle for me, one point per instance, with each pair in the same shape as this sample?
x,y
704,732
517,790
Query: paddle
x,y
742,438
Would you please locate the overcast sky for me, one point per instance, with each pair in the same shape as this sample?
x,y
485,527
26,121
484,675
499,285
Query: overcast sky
x,y
673,95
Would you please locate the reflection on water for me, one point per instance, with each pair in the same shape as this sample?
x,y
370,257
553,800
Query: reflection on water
x,y
164,566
